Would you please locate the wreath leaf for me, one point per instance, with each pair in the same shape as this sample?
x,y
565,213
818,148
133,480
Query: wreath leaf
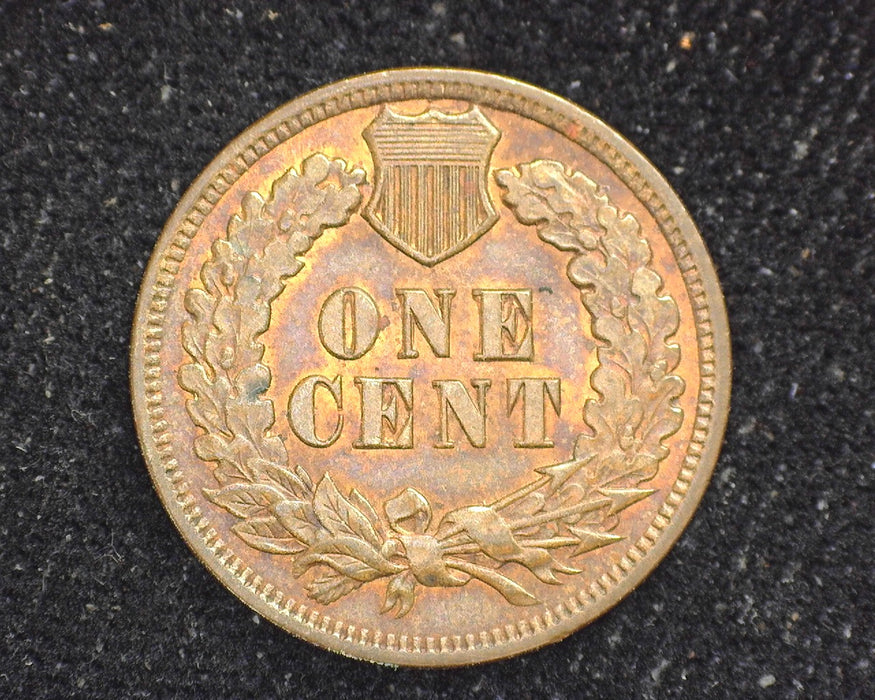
x,y
299,519
332,586
245,500
339,516
285,479
340,550
267,535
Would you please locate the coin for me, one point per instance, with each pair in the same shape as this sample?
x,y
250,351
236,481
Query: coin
x,y
430,367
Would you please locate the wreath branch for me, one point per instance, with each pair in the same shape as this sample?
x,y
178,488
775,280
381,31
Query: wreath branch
x,y
571,507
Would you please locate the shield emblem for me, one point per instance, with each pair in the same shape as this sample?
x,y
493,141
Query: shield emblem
x,y
430,196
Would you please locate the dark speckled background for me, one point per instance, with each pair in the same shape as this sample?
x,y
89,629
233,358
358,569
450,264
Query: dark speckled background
x,y
764,125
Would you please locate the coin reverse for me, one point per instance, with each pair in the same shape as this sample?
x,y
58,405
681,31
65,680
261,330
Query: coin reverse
x,y
430,367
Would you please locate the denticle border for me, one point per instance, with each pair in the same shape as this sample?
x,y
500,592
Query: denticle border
x,y
451,86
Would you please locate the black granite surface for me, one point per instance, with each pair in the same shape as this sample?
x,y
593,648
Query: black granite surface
x,y
761,116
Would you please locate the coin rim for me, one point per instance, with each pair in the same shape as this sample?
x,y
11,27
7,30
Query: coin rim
x,y
681,515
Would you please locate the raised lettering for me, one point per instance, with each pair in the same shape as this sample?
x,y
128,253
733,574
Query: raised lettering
x,y
302,409
418,311
348,323
533,393
453,396
505,324
385,423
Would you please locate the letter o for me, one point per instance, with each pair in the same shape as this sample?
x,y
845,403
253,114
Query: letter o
x,y
348,323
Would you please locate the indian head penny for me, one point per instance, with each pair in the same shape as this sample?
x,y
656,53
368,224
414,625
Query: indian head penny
x,y
430,367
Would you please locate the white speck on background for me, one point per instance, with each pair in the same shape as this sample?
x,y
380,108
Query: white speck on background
x,y
766,681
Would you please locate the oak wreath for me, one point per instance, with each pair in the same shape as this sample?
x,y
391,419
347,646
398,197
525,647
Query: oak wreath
x,y
570,508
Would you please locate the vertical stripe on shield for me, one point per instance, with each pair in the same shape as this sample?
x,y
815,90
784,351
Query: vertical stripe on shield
x,y
431,208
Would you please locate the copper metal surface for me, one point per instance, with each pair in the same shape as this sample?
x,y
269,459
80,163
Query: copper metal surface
x,y
430,367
